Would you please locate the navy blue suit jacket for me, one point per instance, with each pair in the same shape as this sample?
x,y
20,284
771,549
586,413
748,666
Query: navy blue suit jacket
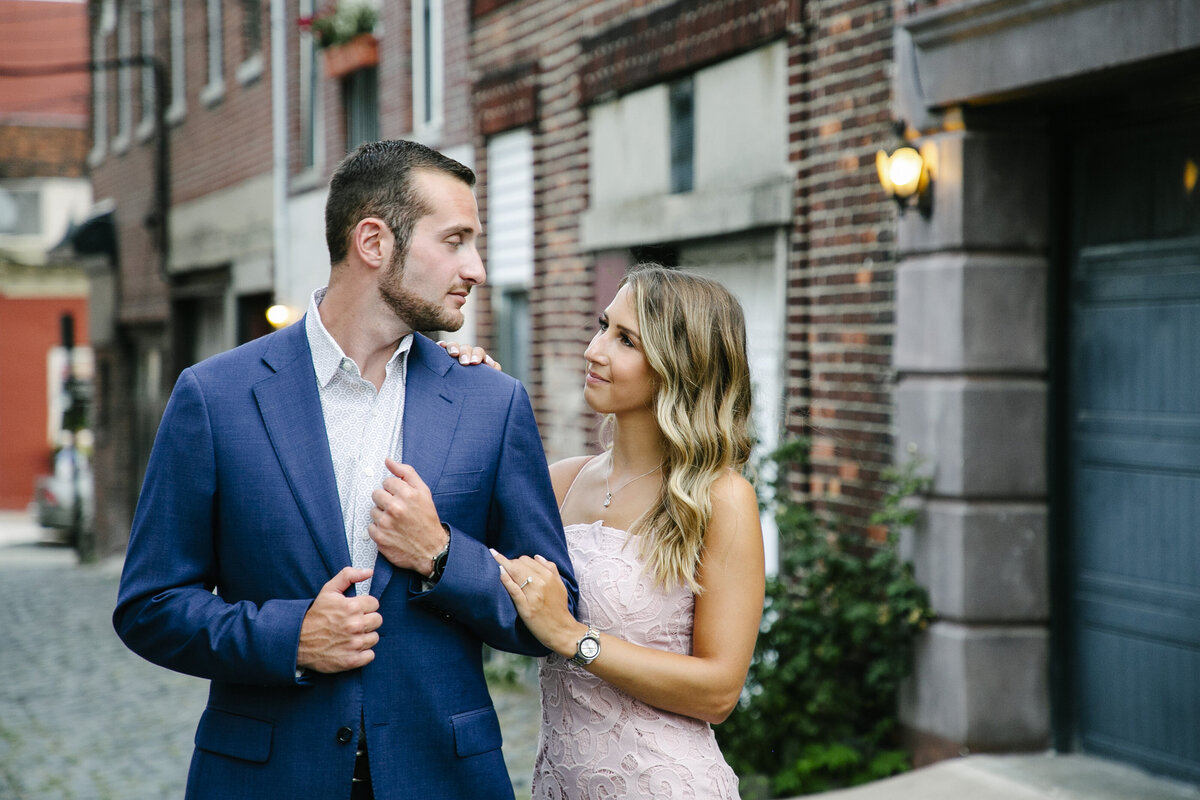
x,y
238,527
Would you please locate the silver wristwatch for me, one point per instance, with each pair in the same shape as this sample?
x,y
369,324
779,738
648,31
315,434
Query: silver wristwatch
x,y
588,648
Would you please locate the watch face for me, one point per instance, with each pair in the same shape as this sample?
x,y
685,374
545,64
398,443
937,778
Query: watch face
x,y
589,648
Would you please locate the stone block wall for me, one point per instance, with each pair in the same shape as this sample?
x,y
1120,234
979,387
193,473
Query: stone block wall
x,y
971,400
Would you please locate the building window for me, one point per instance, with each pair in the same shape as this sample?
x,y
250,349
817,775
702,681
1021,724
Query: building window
x,y
427,68
105,25
215,89
20,212
252,35
309,94
149,99
360,90
510,321
178,107
252,316
251,27
683,135
510,247
124,77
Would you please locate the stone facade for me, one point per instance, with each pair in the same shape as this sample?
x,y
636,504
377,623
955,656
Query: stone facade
x,y
980,305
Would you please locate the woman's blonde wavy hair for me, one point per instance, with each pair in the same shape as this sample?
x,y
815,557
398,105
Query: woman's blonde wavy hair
x,y
693,334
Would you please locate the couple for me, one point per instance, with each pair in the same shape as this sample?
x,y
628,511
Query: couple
x,y
324,510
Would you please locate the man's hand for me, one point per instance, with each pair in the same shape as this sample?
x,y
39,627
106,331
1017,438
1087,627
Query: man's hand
x,y
404,521
338,632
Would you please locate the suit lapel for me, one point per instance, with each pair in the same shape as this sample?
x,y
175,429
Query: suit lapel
x,y
431,414
291,410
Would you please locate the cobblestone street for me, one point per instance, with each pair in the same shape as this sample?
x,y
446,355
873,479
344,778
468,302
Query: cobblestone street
x,y
82,718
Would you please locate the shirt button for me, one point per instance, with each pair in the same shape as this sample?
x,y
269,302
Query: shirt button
x,y
367,471
344,735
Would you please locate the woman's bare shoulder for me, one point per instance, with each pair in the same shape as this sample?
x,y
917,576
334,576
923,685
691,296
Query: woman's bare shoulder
x,y
733,492
563,474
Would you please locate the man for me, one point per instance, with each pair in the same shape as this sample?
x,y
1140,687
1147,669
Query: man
x,y
313,532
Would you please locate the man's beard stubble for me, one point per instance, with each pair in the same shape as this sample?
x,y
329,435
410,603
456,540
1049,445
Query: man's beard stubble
x,y
417,312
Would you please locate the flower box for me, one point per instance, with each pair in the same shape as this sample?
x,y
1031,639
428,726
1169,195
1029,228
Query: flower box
x,y
359,53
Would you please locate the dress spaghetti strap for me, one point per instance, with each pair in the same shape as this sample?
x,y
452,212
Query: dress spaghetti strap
x,y
571,488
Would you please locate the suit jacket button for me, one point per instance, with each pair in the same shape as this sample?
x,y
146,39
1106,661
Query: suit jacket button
x,y
344,735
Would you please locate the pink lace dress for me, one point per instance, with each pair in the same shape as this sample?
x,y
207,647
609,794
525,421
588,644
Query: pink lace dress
x,y
598,742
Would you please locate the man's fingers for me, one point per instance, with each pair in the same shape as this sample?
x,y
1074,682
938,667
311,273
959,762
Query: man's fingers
x,y
404,472
345,579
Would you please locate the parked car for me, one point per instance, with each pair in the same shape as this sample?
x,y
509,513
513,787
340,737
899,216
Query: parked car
x,y
54,495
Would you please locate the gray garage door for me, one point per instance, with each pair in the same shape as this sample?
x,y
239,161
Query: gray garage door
x,y
1134,443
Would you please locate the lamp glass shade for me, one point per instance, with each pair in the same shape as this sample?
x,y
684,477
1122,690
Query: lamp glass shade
x,y
906,171
278,315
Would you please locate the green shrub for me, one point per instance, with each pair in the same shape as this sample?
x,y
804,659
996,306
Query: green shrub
x,y
819,708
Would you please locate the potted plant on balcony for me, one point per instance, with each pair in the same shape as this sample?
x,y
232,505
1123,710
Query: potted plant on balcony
x,y
345,34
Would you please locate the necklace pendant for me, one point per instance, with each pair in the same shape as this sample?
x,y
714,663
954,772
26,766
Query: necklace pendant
x,y
607,498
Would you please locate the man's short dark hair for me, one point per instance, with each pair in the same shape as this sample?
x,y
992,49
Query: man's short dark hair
x,y
375,180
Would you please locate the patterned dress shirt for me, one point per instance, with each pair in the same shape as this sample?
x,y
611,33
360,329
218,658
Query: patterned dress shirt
x,y
364,427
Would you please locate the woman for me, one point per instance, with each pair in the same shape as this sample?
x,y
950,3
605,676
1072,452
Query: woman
x,y
663,532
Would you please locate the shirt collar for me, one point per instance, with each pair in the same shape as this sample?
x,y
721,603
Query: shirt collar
x,y
328,356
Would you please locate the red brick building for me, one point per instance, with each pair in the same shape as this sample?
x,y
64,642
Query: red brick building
x,y
220,215
43,191
736,139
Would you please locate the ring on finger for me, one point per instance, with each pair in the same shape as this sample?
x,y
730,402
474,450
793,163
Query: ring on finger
x,y
526,582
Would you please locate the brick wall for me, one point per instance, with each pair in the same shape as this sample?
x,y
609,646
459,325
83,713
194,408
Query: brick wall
x,y
214,146
32,152
542,40
841,278
543,61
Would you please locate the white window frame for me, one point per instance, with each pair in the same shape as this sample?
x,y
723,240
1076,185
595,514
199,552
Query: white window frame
x,y
178,108
511,243
428,117
145,128
311,120
124,133
214,90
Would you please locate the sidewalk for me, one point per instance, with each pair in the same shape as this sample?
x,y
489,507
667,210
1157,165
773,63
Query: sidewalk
x,y
1021,777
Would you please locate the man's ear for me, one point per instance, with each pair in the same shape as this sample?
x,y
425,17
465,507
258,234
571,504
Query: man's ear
x,y
372,241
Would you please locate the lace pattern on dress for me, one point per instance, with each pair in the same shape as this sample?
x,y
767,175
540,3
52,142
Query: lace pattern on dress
x,y
597,742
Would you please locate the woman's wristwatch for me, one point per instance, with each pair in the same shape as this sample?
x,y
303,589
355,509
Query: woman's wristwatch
x,y
588,648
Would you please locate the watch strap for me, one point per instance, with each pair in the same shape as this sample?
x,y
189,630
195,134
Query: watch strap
x,y
581,658
439,561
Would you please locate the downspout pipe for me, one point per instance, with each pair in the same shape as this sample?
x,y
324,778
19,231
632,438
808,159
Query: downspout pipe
x,y
279,147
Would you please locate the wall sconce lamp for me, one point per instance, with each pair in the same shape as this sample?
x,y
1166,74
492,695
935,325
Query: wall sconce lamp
x,y
907,174
280,315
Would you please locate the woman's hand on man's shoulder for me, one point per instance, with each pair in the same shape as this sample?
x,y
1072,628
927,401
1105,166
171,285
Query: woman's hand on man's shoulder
x,y
469,355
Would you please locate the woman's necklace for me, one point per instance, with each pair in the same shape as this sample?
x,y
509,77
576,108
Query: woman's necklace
x,y
608,493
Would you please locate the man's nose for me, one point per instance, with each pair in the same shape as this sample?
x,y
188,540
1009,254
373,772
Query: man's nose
x,y
473,271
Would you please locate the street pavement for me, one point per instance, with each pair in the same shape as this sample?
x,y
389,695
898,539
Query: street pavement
x,y
82,718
